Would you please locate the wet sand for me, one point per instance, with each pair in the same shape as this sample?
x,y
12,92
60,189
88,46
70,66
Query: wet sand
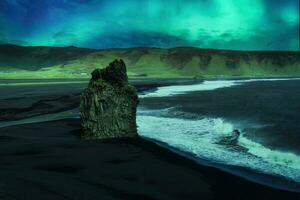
x,y
48,160
30,98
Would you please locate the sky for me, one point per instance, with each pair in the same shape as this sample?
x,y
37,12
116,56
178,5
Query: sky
x,y
217,24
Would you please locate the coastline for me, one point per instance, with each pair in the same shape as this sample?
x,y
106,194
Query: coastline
x,y
244,173
20,100
49,150
58,161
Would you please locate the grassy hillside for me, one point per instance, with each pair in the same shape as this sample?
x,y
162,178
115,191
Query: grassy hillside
x,y
34,58
72,62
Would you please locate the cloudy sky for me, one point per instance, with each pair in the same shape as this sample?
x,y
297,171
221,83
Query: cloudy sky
x,y
222,24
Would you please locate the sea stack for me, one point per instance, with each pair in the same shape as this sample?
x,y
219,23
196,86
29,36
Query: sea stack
x,y
108,106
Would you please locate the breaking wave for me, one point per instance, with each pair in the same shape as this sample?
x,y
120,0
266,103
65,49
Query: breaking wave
x,y
166,91
201,136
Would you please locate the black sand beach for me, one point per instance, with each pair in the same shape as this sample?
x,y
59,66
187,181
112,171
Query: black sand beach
x,y
48,160
21,99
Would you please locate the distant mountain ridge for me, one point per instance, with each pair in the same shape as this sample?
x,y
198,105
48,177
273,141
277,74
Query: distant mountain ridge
x,y
33,58
60,62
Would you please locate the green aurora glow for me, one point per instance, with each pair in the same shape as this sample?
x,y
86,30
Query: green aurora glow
x,y
230,24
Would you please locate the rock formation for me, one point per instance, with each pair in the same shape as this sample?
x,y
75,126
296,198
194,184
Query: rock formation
x,y
108,106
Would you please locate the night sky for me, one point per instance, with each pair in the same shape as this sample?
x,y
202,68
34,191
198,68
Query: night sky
x,y
222,24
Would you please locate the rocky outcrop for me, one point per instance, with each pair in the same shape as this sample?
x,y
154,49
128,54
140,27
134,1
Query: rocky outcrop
x,y
231,139
108,106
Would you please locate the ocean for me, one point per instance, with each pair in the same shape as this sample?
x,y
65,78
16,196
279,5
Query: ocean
x,y
198,121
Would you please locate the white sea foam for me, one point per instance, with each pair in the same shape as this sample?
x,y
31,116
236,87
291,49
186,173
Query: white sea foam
x,y
182,89
200,137
166,91
288,159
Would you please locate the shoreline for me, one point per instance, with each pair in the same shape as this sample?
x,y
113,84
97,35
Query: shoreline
x,y
169,173
58,149
244,173
205,167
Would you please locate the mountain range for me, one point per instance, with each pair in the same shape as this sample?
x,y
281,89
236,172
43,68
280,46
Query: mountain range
x,y
72,62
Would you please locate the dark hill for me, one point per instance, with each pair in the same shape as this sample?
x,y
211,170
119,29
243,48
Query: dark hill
x,y
33,58
55,62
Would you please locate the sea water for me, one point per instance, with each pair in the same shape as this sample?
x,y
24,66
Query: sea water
x,y
195,119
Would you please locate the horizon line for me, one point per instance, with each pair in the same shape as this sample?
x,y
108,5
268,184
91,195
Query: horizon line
x,y
149,47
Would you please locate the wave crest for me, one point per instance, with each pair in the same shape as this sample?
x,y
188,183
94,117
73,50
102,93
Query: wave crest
x,y
200,137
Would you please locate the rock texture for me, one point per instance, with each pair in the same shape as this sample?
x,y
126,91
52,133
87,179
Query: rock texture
x,y
108,106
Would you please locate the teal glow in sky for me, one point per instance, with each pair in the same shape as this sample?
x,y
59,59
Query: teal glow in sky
x,y
222,24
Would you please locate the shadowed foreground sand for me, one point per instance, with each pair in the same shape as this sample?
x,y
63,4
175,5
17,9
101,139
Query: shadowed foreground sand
x,y
48,161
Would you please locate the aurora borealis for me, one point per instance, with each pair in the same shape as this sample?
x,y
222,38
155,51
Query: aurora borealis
x,y
222,24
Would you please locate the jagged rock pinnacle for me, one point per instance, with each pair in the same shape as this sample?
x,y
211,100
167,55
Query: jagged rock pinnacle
x,y
115,73
108,106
